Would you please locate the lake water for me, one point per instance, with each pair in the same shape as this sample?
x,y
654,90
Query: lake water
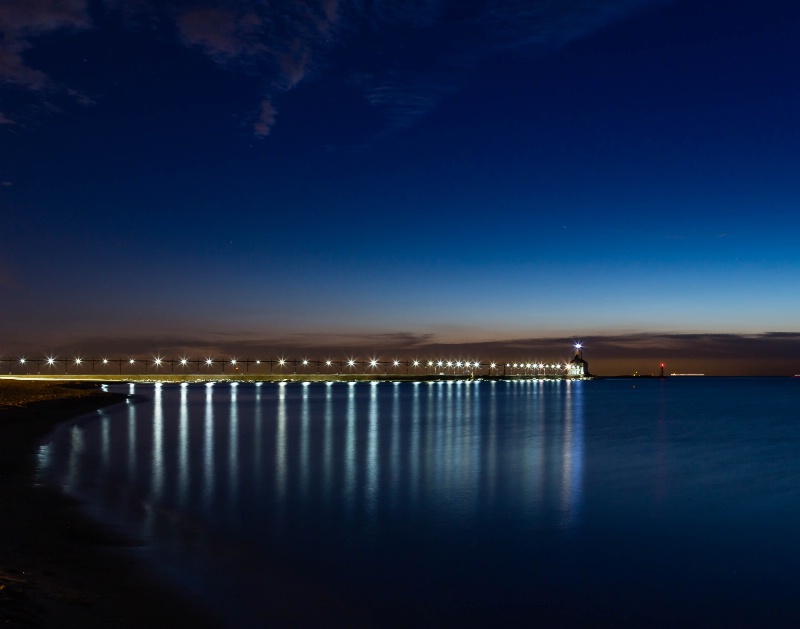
x,y
640,502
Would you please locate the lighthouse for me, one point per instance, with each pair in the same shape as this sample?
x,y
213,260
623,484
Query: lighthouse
x,y
578,367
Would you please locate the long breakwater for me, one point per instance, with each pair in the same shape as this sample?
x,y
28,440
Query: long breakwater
x,y
207,369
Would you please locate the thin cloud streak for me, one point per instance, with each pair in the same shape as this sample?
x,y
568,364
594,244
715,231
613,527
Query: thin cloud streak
x,y
266,119
278,45
768,353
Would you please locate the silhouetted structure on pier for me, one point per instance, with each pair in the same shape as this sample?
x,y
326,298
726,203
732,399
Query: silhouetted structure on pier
x,y
577,367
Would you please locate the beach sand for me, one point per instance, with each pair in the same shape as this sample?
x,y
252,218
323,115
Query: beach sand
x,y
57,567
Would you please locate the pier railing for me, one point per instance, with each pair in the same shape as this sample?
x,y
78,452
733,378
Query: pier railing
x,y
231,366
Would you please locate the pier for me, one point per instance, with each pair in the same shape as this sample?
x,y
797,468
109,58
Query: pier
x,y
209,369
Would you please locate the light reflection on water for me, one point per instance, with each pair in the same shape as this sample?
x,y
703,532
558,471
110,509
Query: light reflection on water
x,y
158,446
183,452
208,449
233,451
477,494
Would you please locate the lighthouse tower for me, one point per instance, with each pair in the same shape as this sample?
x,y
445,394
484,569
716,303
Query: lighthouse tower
x,y
578,368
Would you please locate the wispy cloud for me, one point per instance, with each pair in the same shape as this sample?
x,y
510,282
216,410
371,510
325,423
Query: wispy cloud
x,y
404,55
277,44
432,47
223,34
761,346
403,96
21,23
516,23
266,119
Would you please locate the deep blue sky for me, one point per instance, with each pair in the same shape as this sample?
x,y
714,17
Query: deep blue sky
x,y
387,175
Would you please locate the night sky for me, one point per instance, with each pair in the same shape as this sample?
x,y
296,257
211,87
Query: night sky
x,y
396,178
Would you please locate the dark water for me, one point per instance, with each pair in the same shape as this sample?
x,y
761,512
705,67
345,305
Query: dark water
x,y
534,503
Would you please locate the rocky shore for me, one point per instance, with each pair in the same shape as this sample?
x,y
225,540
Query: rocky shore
x,y
58,568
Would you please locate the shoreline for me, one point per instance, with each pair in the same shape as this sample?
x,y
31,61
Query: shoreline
x,y
58,568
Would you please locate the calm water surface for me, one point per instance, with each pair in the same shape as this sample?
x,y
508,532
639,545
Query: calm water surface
x,y
597,503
